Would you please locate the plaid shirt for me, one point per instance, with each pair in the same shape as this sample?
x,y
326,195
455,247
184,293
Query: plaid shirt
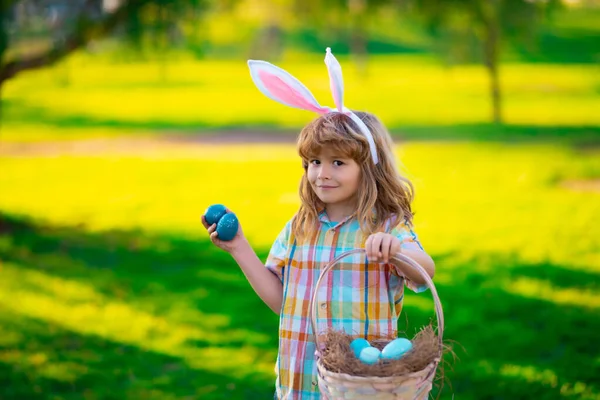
x,y
362,300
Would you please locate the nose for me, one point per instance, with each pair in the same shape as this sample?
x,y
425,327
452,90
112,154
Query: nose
x,y
324,172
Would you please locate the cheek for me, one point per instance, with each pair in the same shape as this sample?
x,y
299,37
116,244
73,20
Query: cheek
x,y
356,185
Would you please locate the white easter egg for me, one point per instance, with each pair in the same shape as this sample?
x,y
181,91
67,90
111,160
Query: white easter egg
x,y
369,355
396,349
358,345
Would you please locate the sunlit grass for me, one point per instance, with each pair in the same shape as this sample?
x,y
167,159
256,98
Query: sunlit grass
x,y
531,374
543,290
496,218
114,287
81,309
168,189
402,90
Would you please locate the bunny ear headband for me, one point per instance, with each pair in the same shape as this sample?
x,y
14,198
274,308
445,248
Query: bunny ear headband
x,y
277,84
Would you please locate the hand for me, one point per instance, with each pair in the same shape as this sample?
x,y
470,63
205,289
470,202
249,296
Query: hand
x,y
380,247
229,246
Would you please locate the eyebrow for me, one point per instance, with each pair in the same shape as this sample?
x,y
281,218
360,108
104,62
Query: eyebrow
x,y
335,156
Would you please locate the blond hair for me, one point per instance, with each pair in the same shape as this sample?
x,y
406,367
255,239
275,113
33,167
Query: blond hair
x,y
383,192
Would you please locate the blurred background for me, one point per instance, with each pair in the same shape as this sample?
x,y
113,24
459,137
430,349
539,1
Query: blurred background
x,y
123,120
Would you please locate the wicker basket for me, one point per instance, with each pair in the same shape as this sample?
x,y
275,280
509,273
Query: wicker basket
x,y
413,386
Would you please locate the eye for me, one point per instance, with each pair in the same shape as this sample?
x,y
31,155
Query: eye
x,y
315,162
338,163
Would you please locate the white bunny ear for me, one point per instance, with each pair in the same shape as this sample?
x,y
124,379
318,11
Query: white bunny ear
x,y
277,84
336,79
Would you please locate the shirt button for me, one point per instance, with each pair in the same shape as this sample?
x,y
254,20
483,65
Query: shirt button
x,y
314,383
323,306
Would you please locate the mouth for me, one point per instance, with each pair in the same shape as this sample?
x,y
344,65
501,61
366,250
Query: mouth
x,y
327,187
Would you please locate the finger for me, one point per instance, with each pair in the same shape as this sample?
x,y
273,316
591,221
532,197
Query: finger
x,y
368,247
376,246
372,251
212,228
214,237
386,243
204,223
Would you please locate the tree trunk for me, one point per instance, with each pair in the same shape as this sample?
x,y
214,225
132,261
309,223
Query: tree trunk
x,y
87,30
161,38
491,43
358,34
1,108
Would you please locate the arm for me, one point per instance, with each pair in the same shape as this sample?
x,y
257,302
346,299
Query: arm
x,y
422,259
381,246
266,285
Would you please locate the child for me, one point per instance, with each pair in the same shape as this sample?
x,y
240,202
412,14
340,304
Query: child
x,y
352,196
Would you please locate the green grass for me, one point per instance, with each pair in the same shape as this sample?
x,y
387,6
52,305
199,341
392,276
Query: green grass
x,y
110,289
405,91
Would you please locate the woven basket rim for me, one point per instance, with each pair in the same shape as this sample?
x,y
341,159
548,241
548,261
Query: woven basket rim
x,y
400,257
378,379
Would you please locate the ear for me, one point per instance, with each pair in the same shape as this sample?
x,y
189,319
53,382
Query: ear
x,y
277,84
336,79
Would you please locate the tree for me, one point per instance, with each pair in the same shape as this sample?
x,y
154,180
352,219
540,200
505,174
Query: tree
x,y
347,18
66,26
489,23
71,26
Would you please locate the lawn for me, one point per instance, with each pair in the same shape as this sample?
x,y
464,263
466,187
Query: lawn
x,y
413,95
110,289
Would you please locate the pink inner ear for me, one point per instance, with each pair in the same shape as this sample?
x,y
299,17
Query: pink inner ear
x,y
286,93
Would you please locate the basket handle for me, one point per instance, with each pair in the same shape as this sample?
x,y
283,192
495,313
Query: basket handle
x,y
400,257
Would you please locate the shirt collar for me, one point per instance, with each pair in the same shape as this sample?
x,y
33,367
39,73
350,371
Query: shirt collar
x,y
324,218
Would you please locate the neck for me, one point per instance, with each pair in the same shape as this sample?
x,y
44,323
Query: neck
x,y
337,213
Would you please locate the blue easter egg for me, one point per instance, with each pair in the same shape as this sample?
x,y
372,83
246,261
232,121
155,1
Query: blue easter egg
x,y
227,227
369,355
396,349
358,345
214,213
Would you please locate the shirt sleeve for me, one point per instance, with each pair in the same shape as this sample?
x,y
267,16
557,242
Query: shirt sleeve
x,y
409,241
277,259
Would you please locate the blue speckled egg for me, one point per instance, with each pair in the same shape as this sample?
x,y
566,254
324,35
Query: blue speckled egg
x,y
396,349
227,227
214,213
369,355
358,345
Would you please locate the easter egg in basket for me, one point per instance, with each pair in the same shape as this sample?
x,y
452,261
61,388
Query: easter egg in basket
x,y
395,349
358,345
369,355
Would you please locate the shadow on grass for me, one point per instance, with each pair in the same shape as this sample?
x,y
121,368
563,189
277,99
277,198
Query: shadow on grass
x,y
516,346
16,111
185,282
567,46
577,136
512,344
53,362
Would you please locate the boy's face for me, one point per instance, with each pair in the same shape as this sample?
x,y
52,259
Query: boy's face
x,y
334,178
